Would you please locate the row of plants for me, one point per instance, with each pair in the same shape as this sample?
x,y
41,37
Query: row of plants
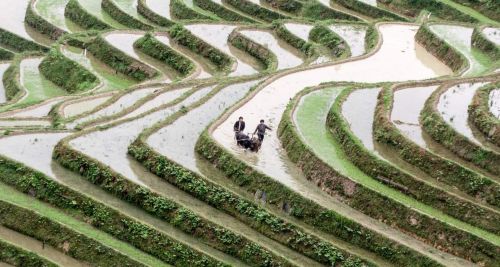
x,y
12,79
184,37
101,217
302,45
316,11
441,49
119,61
369,10
66,73
412,8
123,17
150,46
489,8
145,11
17,256
306,210
362,198
255,10
260,52
371,37
485,45
6,54
326,37
41,25
166,209
480,115
179,10
19,44
290,6
221,11
60,237
235,205
433,231
79,15
443,133
457,241
446,171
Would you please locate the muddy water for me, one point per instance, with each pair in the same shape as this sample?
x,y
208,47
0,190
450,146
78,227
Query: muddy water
x,y
203,68
124,102
286,58
110,79
353,35
493,34
398,44
299,30
453,105
125,42
407,105
94,8
34,150
217,35
177,140
358,110
53,12
110,146
35,246
161,7
160,99
461,37
38,111
3,68
494,102
80,107
38,88
396,60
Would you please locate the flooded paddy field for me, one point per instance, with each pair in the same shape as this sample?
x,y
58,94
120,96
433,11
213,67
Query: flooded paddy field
x,y
69,143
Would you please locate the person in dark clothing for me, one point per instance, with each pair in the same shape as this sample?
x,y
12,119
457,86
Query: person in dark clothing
x,y
239,126
261,130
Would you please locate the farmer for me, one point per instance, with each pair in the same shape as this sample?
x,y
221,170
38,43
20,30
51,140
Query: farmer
x,y
239,126
261,130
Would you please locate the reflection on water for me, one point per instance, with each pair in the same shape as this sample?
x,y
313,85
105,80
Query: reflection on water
x,y
286,58
354,35
358,110
453,106
161,7
396,60
124,102
177,140
407,105
110,146
217,35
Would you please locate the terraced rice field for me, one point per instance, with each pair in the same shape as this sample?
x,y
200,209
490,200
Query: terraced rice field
x,y
117,145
